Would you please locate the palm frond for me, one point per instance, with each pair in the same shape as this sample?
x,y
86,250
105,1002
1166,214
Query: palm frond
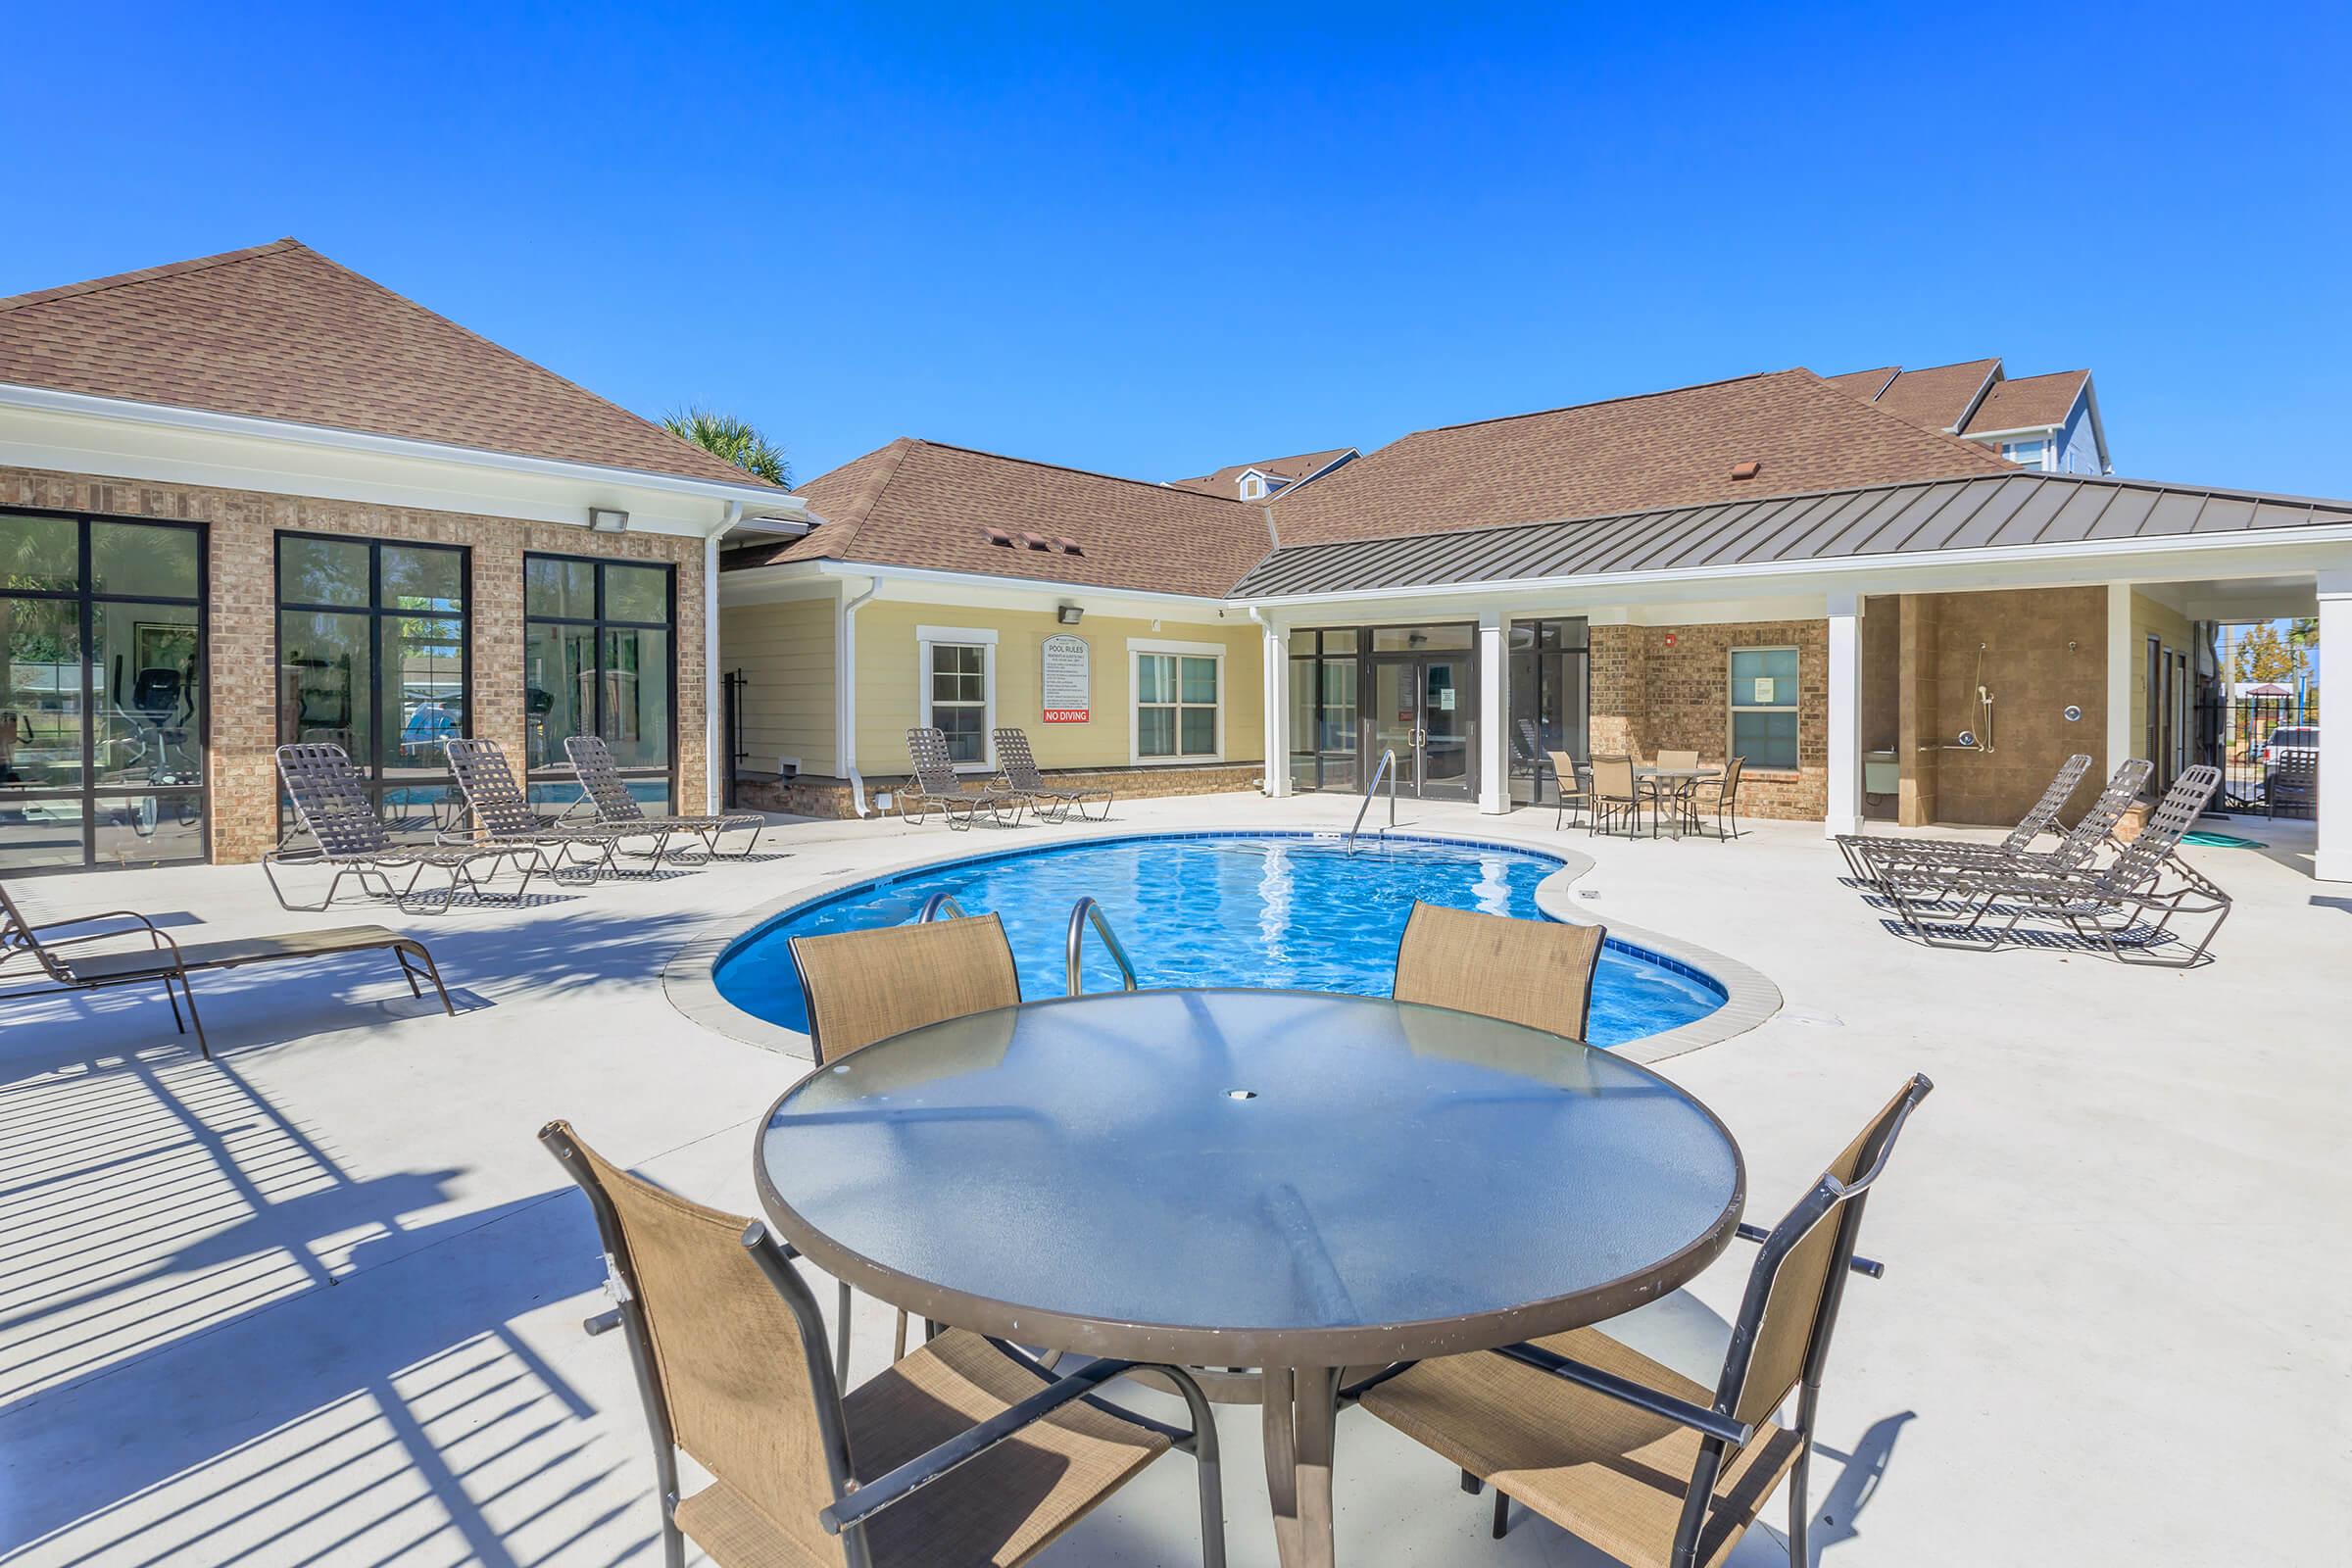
x,y
732,439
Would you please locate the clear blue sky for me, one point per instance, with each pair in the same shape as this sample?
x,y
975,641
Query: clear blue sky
x,y
1152,241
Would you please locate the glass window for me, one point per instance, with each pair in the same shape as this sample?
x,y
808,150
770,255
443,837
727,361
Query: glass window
x,y
1176,706
960,699
1763,705
554,586
150,694
588,670
136,561
1548,688
1402,639
637,593
40,555
559,672
321,571
420,578
41,696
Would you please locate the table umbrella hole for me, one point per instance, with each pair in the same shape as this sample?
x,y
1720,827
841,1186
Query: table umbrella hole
x,y
1241,1094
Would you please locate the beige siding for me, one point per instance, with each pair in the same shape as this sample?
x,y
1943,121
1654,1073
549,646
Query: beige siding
x,y
786,654
2171,629
887,691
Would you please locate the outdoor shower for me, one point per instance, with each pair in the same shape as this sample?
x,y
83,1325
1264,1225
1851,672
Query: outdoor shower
x,y
1969,738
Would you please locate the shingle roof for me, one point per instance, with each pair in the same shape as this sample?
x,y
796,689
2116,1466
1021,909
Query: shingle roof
x,y
923,504
2012,508
1662,449
1226,480
280,332
1938,397
2029,403
1865,384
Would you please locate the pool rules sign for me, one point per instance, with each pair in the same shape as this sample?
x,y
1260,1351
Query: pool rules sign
x,y
1068,680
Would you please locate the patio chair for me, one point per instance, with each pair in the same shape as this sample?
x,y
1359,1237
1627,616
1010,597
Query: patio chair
x,y
936,786
1640,1462
1720,795
2120,909
2041,817
1895,859
602,791
1617,797
864,986
963,1453
1568,784
331,806
1532,972
1016,764
2292,782
503,816
34,963
1529,755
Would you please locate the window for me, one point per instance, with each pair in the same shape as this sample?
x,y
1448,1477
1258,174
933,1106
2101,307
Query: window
x,y
1323,717
102,699
1764,707
1178,715
371,638
1548,686
1253,487
597,658
2027,453
956,676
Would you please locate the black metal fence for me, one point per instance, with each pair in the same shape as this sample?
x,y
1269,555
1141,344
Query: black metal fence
x,y
2241,736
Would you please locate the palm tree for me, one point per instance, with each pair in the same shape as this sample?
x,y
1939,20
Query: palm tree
x,y
736,441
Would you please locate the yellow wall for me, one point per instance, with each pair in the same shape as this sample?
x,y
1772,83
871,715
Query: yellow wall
x,y
786,652
2152,618
887,657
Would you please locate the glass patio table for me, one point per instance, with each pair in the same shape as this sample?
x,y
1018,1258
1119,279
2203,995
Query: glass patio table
x,y
1298,1182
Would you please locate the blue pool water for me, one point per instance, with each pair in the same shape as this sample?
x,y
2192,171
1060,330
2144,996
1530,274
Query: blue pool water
x,y
1219,909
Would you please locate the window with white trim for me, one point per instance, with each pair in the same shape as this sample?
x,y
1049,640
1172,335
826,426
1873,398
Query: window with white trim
x,y
957,678
1176,706
2029,453
1763,707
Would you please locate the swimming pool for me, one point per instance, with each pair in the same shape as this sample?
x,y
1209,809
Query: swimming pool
x,y
1219,909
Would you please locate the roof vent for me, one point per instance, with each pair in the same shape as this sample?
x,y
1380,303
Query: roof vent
x,y
1746,471
1068,545
997,536
1035,541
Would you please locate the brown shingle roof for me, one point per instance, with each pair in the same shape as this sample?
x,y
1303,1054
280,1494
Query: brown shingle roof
x,y
2029,403
921,503
1226,481
1865,384
280,332
1664,449
1939,397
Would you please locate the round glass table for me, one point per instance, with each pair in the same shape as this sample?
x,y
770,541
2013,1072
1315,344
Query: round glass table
x,y
1293,1180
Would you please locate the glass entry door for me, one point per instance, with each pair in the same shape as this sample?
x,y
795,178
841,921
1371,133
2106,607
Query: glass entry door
x,y
1421,708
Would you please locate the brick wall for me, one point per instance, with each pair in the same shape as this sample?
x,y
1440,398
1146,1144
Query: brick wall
x,y
807,795
1648,696
241,678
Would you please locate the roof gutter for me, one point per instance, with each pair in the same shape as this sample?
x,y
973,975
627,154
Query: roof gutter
x,y
45,400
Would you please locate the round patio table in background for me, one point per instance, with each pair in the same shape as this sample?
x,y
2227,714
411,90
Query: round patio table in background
x,y
1295,1181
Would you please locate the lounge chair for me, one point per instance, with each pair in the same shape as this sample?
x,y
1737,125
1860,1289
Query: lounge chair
x,y
503,816
602,791
1016,766
1567,786
2120,907
332,806
1532,972
964,1452
2293,783
936,786
1617,796
34,962
1862,849
1885,860
1646,1466
1720,795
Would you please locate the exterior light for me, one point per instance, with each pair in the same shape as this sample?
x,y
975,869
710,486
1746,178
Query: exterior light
x,y
1068,615
607,520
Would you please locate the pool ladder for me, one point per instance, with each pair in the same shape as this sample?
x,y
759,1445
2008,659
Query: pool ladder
x,y
1085,912
1388,771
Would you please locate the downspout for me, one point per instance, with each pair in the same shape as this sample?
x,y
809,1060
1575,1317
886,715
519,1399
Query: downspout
x,y
1265,695
715,730
845,695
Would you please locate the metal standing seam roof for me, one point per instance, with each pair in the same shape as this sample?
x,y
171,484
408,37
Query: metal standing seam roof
x,y
1919,518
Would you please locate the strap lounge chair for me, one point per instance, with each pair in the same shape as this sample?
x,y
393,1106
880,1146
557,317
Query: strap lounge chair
x,y
1862,851
332,809
936,786
1016,764
1532,972
2121,909
502,814
966,1452
1568,785
33,962
1892,859
1649,1467
602,791
1617,797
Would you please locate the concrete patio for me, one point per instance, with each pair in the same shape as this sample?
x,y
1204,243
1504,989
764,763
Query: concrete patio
x,y
318,1301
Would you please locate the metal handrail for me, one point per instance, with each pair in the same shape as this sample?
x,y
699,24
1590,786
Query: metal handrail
x,y
1086,910
1387,767
935,903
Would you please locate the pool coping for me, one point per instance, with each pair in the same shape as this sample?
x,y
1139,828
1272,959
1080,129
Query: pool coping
x,y
689,979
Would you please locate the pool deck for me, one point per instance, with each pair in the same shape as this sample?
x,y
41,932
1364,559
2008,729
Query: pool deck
x,y
318,1302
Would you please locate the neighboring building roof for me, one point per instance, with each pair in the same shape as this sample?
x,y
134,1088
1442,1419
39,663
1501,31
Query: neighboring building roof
x,y
1939,397
1661,449
2029,403
280,332
1865,384
1226,481
1961,513
926,504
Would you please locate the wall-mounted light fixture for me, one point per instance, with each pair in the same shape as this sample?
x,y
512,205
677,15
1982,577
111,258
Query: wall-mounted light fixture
x,y
1068,615
607,520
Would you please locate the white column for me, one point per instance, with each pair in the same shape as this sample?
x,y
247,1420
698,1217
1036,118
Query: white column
x,y
1846,715
1277,653
2333,862
716,764
2123,663
1493,724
